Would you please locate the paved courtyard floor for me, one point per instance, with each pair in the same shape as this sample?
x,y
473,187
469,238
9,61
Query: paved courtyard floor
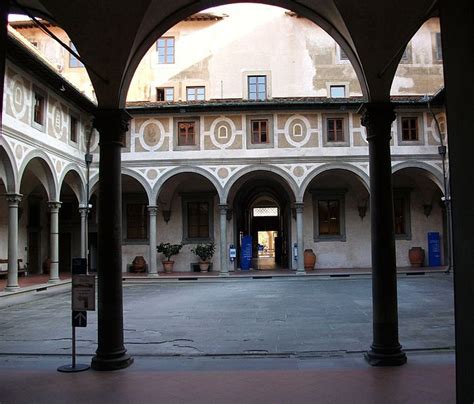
x,y
245,340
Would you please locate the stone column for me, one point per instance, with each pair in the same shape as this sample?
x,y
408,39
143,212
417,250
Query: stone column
x,y
13,201
83,211
111,354
385,349
224,266
4,6
53,207
152,269
299,238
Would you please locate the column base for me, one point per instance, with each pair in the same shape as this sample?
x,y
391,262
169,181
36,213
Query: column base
x,y
56,280
300,272
224,273
391,358
111,362
12,288
153,275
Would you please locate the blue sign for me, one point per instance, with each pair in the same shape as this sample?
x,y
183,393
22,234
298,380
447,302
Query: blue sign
x,y
434,249
246,253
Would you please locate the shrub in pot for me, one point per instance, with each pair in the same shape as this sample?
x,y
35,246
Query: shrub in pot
x,y
168,250
205,252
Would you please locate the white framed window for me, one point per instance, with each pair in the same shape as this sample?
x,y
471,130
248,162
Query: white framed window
x,y
337,91
257,88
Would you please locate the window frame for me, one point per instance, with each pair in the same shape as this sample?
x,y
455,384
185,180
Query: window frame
x,y
165,95
186,199
334,86
404,195
35,124
420,129
197,129
342,56
329,194
345,128
257,84
270,135
166,48
135,199
73,118
437,48
196,96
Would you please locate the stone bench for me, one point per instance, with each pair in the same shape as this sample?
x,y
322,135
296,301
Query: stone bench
x,y
4,267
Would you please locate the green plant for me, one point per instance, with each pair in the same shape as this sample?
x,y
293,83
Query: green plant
x,y
168,250
204,251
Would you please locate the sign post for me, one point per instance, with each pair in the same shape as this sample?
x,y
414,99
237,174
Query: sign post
x,y
83,300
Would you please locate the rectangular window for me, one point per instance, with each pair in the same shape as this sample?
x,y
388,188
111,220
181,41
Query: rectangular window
x,y
39,109
195,93
259,131
198,220
409,128
136,221
335,130
329,218
165,94
342,54
438,49
337,91
165,49
73,129
186,134
257,88
73,61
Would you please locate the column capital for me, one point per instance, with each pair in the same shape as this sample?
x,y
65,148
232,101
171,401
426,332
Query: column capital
x,y
152,210
223,208
54,206
377,117
13,199
299,207
83,210
112,125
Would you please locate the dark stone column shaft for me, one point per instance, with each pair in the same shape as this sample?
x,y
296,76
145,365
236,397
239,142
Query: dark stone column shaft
x,y
385,349
111,353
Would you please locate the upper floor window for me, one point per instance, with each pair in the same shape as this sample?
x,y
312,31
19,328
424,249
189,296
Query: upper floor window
x,y
257,87
410,129
406,56
337,91
165,49
39,109
259,130
186,134
73,129
438,52
335,130
342,54
165,94
73,61
195,93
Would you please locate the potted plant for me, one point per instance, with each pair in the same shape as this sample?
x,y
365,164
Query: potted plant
x,y
205,253
168,250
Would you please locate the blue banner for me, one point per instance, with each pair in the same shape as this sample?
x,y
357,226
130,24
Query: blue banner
x,y
246,253
434,249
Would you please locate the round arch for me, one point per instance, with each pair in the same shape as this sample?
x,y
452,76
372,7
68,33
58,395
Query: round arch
x,y
78,189
184,12
141,180
8,167
288,180
360,174
185,170
51,182
432,172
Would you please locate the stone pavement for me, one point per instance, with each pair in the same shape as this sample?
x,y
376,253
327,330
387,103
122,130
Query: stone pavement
x,y
220,340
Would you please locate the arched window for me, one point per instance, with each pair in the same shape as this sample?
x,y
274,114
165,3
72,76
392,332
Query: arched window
x,y
297,130
222,132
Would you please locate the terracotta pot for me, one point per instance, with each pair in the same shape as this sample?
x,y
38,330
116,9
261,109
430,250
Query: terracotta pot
x,y
416,255
309,259
204,266
138,264
168,266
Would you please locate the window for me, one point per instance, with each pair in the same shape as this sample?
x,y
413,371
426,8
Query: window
x,y
335,129
39,107
329,220
409,128
165,49
165,94
406,56
401,213
269,211
136,221
186,134
438,52
195,93
259,131
342,54
73,129
297,130
73,61
197,217
222,132
337,91
257,87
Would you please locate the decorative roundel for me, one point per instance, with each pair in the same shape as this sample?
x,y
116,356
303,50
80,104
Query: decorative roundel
x,y
223,172
151,174
58,120
19,152
151,134
298,171
297,130
222,132
18,96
